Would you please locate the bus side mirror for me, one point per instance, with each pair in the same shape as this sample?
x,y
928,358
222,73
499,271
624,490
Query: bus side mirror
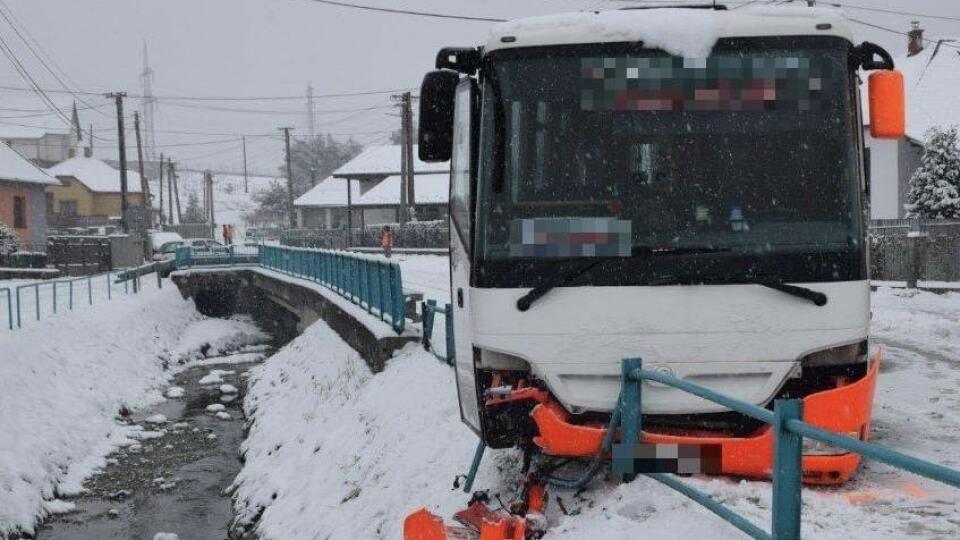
x,y
437,95
887,116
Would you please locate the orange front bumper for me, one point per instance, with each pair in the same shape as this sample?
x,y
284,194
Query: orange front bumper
x,y
845,409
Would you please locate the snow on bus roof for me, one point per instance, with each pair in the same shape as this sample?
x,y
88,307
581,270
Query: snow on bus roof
x,y
384,161
683,32
13,167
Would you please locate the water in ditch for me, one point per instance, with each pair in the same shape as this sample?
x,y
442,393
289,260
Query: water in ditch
x,y
174,483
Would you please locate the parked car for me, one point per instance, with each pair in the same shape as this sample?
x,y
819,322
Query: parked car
x,y
206,245
159,238
167,251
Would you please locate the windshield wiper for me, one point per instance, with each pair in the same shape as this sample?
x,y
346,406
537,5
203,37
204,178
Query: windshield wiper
x,y
676,250
817,297
525,301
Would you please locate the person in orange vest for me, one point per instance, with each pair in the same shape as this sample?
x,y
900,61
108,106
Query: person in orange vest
x,y
226,234
386,241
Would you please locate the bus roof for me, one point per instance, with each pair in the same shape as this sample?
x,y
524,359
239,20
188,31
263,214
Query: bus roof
x,y
678,31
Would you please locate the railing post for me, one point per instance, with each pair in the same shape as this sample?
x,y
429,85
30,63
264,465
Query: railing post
x,y
397,300
427,308
54,296
110,286
9,309
474,466
380,298
19,325
156,270
70,292
90,290
787,471
631,402
36,290
451,347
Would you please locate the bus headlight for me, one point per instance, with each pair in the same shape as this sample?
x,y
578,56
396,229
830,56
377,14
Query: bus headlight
x,y
813,447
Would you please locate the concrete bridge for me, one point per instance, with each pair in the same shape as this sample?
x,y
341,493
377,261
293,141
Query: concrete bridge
x,y
360,297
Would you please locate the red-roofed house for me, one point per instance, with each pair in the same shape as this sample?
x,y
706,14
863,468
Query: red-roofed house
x,y
22,206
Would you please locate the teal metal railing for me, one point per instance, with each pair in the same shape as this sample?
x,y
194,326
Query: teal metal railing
x,y
373,283
789,430
429,308
47,297
187,256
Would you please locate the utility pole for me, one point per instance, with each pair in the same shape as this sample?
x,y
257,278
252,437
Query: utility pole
x,y
160,187
118,97
311,114
246,187
208,177
290,215
144,185
90,139
408,150
349,216
172,179
407,192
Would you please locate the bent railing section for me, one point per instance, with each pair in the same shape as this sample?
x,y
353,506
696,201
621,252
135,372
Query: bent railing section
x,y
429,308
372,283
789,430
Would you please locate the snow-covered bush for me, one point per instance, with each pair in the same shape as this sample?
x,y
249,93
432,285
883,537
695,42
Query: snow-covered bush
x,y
935,185
9,240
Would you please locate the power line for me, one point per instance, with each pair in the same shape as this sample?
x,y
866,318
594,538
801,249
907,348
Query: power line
x,y
211,154
896,11
16,28
25,75
895,31
409,12
272,111
221,98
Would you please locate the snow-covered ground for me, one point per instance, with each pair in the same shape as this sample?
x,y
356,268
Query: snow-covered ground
x,y
60,298
430,275
335,452
64,379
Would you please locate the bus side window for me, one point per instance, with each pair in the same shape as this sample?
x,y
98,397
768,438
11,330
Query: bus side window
x,y
460,164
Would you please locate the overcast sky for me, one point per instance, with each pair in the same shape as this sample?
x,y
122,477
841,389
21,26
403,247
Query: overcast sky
x,y
274,48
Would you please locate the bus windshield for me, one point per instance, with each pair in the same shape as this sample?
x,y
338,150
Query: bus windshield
x,y
741,165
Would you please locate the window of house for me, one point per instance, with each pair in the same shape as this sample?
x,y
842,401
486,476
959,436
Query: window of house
x,y
19,213
68,208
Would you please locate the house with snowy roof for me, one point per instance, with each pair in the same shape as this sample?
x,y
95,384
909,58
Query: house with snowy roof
x,y
931,74
44,143
368,190
22,207
88,188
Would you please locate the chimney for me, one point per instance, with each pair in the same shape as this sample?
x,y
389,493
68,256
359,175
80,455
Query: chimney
x,y
915,35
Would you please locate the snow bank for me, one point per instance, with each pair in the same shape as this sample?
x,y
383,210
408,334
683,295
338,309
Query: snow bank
x,y
918,320
62,382
217,337
336,452
64,379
